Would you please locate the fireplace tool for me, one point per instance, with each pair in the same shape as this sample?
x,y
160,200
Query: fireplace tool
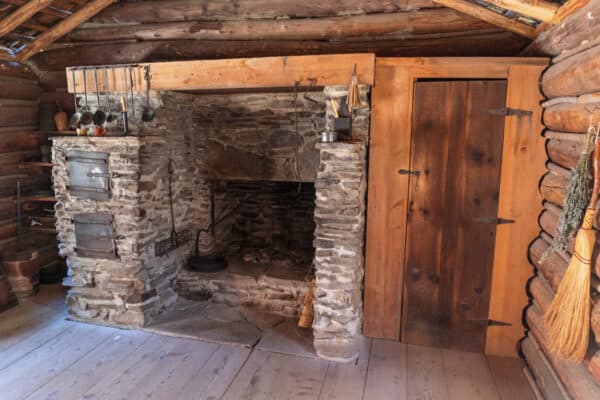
x,y
210,262
177,238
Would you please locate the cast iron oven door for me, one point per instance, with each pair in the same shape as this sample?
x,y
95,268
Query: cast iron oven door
x,y
88,174
94,235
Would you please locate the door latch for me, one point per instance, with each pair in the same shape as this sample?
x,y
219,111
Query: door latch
x,y
506,111
409,172
491,322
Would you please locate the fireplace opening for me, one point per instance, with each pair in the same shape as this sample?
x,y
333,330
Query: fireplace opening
x,y
265,232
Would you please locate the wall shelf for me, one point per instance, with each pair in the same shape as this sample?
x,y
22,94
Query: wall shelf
x,y
35,164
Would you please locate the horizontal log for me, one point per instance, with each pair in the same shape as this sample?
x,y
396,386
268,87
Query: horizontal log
x,y
574,76
18,88
547,381
564,152
571,117
18,115
189,10
575,377
19,140
554,266
565,136
16,70
8,228
489,43
595,322
554,183
404,25
582,25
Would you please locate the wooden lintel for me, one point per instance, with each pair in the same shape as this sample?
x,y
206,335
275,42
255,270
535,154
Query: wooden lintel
x,y
63,27
239,73
21,15
477,11
540,10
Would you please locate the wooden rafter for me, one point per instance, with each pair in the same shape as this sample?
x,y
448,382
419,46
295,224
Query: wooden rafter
x,y
21,15
474,10
63,27
48,10
540,10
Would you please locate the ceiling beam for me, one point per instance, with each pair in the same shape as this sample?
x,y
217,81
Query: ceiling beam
x,y
49,11
63,27
477,11
540,10
21,15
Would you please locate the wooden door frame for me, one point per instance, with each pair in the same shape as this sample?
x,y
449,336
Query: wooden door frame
x,y
523,164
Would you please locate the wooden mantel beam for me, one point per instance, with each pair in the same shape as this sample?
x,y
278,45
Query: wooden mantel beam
x,y
239,73
63,27
21,15
477,11
540,10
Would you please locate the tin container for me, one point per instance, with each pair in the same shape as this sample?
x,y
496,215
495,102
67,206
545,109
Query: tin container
x,y
328,136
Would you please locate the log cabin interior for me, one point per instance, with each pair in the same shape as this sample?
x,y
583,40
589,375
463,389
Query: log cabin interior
x,y
250,199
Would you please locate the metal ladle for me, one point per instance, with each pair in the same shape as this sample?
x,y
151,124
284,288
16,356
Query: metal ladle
x,y
76,117
148,113
87,116
99,115
110,117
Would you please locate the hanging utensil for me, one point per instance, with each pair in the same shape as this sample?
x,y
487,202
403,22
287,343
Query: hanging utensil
x,y
110,117
99,115
87,116
148,113
124,114
131,88
76,117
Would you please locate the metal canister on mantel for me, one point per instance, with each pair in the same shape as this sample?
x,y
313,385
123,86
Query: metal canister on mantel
x,y
328,136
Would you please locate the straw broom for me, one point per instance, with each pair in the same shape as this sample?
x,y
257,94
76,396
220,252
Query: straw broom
x,y
568,317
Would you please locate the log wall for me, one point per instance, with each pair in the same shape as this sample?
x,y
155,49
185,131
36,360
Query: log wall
x,y
20,141
572,88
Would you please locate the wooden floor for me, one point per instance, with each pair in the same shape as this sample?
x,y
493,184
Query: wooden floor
x,y
43,356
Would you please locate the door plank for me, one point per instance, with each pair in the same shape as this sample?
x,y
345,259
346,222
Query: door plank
x,y
523,166
386,376
457,147
389,151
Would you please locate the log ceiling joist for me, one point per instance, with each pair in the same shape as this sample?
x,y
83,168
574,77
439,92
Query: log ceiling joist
x,y
540,10
20,44
489,16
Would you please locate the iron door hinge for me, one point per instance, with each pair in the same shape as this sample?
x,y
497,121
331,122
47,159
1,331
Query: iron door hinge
x,y
491,322
506,111
494,220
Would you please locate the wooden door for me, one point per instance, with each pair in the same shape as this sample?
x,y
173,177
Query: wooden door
x,y
456,151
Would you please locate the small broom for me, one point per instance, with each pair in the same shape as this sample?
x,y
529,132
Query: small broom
x,y
568,317
353,97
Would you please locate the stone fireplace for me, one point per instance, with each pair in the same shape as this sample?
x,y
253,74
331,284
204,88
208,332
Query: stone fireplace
x,y
243,173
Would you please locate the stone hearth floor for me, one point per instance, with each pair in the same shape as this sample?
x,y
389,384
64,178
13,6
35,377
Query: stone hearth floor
x,y
236,325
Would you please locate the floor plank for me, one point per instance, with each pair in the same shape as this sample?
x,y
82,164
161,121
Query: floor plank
x,y
386,375
426,375
347,381
75,381
510,378
210,380
468,376
277,376
39,367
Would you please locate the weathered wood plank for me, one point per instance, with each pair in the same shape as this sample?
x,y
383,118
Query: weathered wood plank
x,y
468,376
509,378
270,375
426,376
387,373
